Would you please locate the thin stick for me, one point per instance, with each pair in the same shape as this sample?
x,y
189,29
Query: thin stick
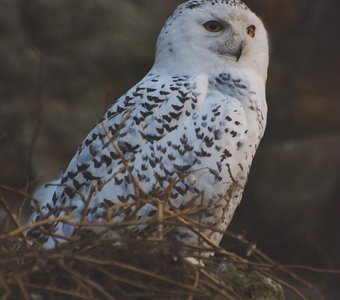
x,y
196,282
39,115
23,203
133,269
23,228
59,291
7,209
95,285
22,288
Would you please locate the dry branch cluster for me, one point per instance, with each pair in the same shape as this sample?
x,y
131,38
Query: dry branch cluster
x,y
100,266
133,268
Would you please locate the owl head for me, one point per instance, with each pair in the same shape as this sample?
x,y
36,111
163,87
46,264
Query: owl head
x,y
213,34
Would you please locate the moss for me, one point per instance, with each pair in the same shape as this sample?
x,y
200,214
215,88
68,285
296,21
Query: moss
x,y
251,284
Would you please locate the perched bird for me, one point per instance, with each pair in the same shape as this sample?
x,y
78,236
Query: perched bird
x,y
181,140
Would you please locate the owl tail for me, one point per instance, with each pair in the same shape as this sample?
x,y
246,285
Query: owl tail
x,y
42,197
41,200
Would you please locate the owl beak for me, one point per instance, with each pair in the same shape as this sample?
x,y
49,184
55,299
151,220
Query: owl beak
x,y
238,52
233,50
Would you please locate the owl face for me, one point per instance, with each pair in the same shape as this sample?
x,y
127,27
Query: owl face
x,y
216,32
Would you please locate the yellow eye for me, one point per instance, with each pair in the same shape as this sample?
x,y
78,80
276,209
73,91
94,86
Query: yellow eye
x,y
251,30
213,26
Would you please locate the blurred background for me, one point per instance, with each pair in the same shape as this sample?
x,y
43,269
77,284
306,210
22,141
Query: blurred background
x,y
63,62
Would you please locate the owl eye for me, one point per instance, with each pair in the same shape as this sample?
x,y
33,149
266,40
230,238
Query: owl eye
x,y
213,26
251,30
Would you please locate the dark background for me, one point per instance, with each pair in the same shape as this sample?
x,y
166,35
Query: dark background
x,y
94,50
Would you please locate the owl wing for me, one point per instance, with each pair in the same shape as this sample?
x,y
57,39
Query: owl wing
x,y
145,115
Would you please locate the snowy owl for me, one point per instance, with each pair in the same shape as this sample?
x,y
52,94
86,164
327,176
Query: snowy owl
x,y
182,140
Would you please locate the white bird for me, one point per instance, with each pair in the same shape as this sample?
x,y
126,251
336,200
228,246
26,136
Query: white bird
x,y
186,133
